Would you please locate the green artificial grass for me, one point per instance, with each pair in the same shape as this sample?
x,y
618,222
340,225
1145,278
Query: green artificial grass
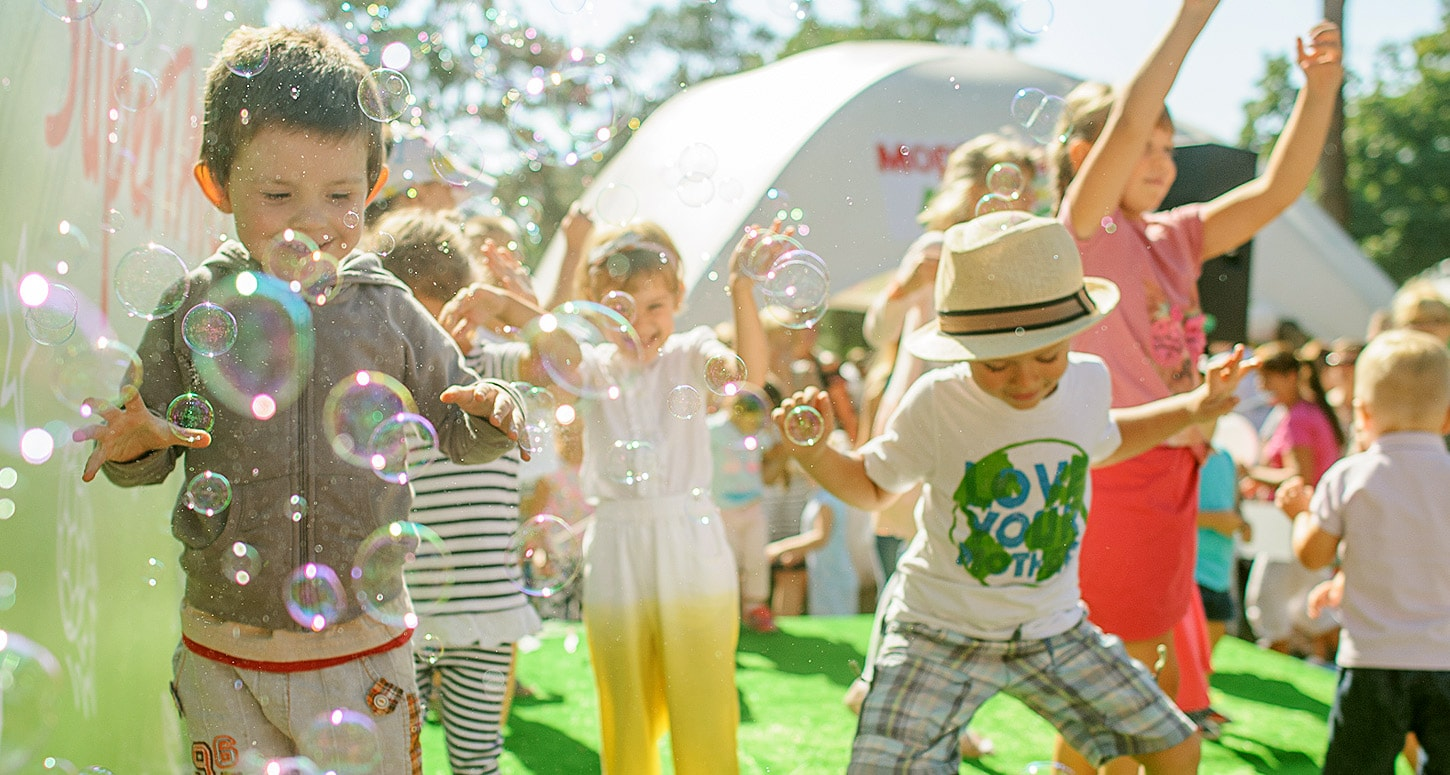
x,y
792,719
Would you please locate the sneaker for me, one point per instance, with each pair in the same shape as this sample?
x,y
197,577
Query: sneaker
x,y
760,619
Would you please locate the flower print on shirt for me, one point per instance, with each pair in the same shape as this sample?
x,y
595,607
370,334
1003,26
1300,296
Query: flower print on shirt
x,y
1177,337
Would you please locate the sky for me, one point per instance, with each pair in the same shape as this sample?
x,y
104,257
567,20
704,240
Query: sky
x,y
1101,40
1106,39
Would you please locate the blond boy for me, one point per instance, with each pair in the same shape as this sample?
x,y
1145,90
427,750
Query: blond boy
x,y
1382,513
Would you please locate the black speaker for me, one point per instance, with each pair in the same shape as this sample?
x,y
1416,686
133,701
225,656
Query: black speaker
x,y
1204,172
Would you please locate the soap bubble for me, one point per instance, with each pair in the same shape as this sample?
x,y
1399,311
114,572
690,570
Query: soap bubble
x,y
804,426
30,694
684,402
377,571
543,556
151,281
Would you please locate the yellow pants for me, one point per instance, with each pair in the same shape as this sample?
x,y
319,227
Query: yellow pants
x,y
662,616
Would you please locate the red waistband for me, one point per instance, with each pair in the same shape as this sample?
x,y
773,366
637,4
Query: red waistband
x,y
292,667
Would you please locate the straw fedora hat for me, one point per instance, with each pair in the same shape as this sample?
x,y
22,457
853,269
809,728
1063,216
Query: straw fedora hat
x,y
1009,283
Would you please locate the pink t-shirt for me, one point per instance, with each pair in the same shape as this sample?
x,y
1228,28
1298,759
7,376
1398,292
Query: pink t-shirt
x,y
1303,426
1152,341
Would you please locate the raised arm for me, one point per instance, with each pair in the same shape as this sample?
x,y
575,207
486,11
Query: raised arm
x,y
842,474
750,343
1233,218
909,287
1097,188
577,226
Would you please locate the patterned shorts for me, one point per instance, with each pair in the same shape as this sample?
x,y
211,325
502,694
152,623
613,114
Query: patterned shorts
x,y
928,683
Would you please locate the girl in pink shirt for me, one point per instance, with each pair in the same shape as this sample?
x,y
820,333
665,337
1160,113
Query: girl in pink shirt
x,y
1114,165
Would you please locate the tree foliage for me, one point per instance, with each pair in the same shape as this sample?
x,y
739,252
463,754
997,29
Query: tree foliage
x,y
470,60
1398,166
1399,158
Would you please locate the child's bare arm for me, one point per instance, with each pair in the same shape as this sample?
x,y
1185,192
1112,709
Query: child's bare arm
x,y
1233,218
1314,547
1147,425
792,550
750,342
1097,188
1225,522
842,474
130,431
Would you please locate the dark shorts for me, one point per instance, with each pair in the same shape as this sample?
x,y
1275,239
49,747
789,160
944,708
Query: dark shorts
x,y
1374,708
1217,606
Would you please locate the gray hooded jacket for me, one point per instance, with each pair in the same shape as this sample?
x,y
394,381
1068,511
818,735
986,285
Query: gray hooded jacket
x,y
294,499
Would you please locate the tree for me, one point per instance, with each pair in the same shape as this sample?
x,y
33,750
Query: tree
x,y
1399,157
488,75
1333,163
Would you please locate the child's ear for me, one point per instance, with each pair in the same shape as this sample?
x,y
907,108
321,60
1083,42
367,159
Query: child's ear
x,y
378,186
214,192
1445,426
1077,151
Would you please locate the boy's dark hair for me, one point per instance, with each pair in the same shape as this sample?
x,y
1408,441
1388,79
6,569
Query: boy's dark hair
x,y
300,79
429,251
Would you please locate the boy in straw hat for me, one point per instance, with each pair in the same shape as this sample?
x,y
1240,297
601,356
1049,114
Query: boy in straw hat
x,y
986,597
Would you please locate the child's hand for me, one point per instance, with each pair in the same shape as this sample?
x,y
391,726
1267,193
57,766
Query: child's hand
x,y
491,402
1217,392
1325,594
1246,530
473,307
504,264
1293,496
1322,61
764,239
577,225
130,431
812,397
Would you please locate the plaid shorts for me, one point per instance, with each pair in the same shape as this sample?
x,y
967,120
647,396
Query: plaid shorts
x,y
928,683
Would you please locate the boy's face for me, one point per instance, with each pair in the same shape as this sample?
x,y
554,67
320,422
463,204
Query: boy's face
x,y
310,183
656,300
1153,174
1022,381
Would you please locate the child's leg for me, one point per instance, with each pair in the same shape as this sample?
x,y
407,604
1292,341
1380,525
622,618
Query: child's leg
x,y
1427,749
381,693
925,686
1368,721
1104,704
223,721
471,700
698,608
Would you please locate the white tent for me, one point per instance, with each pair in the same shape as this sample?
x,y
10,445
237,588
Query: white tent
x,y
853,136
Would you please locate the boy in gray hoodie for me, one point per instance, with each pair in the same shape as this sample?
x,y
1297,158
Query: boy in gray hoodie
x,y
296,373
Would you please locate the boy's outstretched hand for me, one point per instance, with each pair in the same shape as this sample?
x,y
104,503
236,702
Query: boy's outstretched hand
x,y
1220,382
130,431
491,402
813,397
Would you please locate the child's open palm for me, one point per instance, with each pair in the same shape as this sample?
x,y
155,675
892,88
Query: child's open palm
x,y
490,401
1322,60
129,431
1220,383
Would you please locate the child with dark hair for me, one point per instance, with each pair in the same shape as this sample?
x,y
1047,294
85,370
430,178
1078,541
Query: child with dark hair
x,y
304,636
